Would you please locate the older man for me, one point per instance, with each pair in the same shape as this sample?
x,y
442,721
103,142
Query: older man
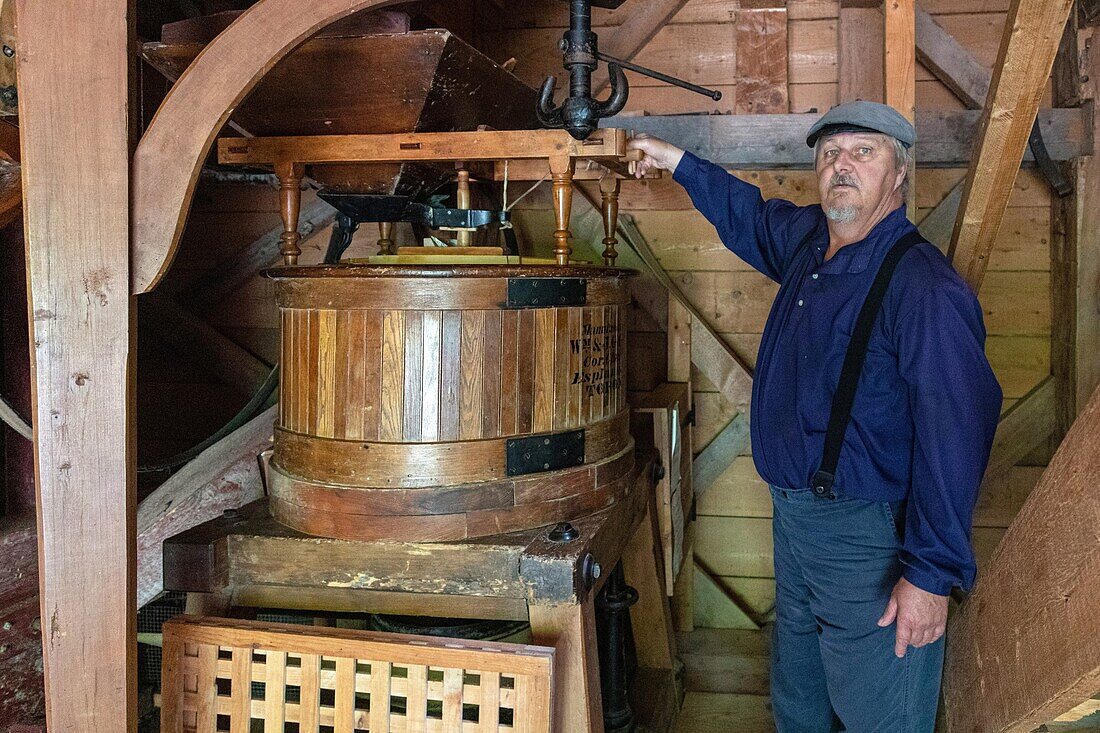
x,y
873,438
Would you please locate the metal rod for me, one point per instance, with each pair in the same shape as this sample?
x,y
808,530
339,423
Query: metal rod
x,y
712,93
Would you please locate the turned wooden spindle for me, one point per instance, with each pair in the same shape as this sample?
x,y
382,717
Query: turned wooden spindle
x,y
290,198
385,238
609,188
561,173
462,200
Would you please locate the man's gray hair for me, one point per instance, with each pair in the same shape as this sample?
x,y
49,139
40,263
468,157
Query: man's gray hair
x,y
903,157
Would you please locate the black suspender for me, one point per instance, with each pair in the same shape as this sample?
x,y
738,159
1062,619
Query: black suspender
x,y
845,395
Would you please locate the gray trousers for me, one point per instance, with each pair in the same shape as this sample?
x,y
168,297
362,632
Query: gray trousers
x,y
833,667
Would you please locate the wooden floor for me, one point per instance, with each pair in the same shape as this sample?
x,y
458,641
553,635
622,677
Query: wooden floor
x,y
721,712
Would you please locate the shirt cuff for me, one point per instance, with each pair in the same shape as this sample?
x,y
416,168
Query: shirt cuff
x,y
928,582
689,163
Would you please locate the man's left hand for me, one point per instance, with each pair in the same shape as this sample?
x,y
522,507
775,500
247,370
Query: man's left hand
x,y
921,616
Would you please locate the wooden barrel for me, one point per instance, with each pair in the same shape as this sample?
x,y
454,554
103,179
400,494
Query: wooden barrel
x,y
440,402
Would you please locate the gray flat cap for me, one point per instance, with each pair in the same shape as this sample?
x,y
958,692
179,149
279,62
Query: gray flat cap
x,y
863,116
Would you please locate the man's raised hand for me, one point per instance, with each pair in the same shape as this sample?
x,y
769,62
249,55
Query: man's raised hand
x,y
658,154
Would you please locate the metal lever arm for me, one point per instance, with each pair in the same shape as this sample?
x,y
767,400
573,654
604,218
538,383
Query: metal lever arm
x,y
611,60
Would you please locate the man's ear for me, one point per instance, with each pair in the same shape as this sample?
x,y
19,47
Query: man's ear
x,y
901,176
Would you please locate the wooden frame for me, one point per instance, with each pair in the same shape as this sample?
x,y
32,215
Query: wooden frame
x,y
290,155
603,145
404,677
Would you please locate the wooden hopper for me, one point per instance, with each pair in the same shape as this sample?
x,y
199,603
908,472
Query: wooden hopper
x,y
351,81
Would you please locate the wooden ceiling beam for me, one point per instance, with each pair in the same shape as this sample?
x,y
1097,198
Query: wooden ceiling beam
x,y
1025,646
1033,30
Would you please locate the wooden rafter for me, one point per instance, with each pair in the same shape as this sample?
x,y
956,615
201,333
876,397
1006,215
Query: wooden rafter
x,y
1025,647
1033,29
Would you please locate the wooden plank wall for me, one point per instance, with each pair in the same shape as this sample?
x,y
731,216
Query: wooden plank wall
x,y
704,44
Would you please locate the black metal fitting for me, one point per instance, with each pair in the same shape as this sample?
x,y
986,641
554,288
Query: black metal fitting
x,y
563,532
580,113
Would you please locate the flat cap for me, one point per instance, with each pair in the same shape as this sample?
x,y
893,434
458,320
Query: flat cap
x,y
861,116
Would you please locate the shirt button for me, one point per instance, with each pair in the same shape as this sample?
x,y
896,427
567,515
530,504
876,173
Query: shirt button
x,y
814,276
800,301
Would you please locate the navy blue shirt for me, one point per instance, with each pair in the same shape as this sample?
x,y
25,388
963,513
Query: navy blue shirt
x,y
927,404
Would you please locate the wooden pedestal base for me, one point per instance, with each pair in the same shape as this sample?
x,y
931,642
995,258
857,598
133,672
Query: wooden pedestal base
x,y
254,561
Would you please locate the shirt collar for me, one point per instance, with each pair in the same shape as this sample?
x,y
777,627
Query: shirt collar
x,y
855,257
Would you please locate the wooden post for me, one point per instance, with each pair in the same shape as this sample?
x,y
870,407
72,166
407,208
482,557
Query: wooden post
x,y
385,238
75,120
290,199
899,74
1075,245
462,200
859,50
1025,646
571,629
561,172
609,190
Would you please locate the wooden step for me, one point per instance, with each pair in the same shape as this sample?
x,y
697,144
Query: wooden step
x,y
732,661
716,712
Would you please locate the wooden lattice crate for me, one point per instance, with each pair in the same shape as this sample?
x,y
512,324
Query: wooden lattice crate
x,y
241,676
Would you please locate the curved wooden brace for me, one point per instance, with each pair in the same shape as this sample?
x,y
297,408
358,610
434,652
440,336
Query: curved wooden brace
x,y
171,152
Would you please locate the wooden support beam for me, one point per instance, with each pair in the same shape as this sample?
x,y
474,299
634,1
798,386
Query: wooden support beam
x,y
608,144
899,59
1075,246
1033,29
224,476
1025,646
944,139
860,63
1023,426
713,460
950,62
76,187
900,73
644,19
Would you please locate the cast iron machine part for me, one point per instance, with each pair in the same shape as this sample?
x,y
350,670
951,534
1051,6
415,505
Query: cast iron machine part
x,y
580,113
354,209
618,660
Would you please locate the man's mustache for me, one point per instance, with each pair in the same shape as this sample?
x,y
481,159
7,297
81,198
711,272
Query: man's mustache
x,y
843,179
